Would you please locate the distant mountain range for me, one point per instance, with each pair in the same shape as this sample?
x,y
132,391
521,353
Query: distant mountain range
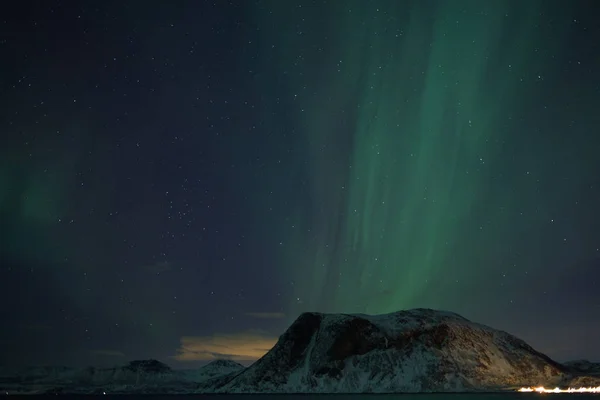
x,y
418,350
141,376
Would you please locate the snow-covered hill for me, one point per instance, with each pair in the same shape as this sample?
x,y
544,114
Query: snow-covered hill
x,y
213,370
586,373
141,376
417,350
584,367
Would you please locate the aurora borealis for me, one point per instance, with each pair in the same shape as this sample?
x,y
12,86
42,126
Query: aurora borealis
x,y
408,140
176,180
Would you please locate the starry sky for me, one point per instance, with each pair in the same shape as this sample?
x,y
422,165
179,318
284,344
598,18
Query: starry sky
x,y
179,180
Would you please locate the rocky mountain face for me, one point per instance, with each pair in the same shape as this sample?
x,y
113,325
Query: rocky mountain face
x,y
417,350
408,351
585,373
583,367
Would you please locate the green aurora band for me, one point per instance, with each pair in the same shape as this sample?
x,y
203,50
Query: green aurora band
x,y
402,138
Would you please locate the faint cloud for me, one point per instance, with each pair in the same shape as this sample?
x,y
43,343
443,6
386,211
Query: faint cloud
x,y
243,346
158,267
265,315
108,353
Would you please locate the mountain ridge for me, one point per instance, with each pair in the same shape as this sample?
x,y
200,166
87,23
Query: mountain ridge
x,y
418,350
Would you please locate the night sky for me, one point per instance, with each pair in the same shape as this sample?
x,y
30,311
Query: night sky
x,y
179,180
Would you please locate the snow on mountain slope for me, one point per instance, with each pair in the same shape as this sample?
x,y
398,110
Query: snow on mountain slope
x,y
584,366
417,350
217,373
141,376
214,369
586,373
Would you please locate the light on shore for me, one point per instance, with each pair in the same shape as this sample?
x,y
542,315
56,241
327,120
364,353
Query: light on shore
x,y
542,389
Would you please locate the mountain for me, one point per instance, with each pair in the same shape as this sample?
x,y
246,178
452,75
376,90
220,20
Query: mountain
x,y
584,367
585,373
418,350
140,376
217,373
215,369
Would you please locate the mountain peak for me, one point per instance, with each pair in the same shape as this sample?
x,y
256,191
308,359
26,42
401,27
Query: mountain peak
x,y
419,350
148,366
223,363
407,351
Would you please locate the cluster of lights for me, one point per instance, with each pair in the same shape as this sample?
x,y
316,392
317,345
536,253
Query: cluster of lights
x,y
542,389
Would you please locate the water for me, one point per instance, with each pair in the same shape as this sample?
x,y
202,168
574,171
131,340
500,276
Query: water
x,y
439,396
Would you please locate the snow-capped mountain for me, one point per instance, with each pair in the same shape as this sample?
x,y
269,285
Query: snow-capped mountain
x,y
584,366
586,373
214,369
418,350
141,376
216,374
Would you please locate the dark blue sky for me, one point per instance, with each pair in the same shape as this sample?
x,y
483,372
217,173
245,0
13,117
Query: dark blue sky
x,y
179,180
